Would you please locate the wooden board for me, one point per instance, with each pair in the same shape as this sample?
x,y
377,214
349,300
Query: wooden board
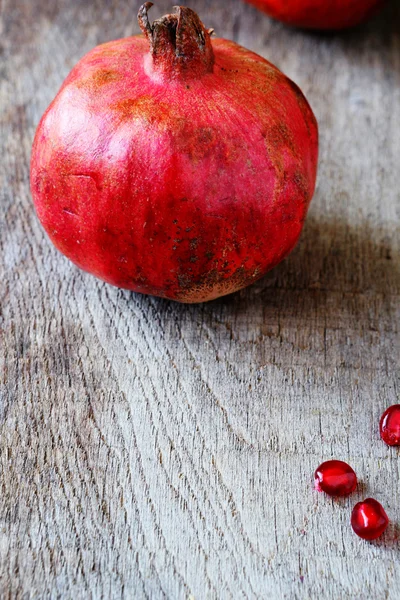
x,y
157,450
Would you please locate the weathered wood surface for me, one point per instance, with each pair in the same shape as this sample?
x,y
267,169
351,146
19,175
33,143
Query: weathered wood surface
x,y
155,450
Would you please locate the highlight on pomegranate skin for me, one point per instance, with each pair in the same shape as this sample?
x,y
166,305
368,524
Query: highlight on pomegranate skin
x,y
174,164
335,478
320,14
389,426
369,519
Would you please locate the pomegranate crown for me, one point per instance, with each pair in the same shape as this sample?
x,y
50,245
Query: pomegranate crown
x,y
180,45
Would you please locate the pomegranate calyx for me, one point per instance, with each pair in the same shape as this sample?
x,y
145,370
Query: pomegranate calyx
x,y
180,45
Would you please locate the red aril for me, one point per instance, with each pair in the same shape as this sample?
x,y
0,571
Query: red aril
x,y
389,426
319,14
369,519
336,478
173,164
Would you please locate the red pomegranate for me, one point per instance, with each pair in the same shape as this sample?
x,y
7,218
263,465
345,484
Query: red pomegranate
x,y
175,165
320,14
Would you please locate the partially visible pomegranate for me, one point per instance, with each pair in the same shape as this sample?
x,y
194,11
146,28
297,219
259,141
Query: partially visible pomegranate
x,y
320,14
175,165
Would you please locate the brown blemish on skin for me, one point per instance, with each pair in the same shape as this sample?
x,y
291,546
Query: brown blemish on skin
x,y
184,280
212,285
276,139
149,109
129,106
301,182
99,78
197,144
280,135
203,142
205,135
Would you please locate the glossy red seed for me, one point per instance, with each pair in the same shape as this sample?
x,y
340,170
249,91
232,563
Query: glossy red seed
x,y
389,426
336,478
369,519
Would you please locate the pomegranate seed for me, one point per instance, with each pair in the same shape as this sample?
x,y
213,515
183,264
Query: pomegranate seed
x,y
336,478
389,426
369,519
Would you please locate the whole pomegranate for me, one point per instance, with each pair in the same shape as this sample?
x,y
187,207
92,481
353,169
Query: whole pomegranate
x,y
320,14
174,165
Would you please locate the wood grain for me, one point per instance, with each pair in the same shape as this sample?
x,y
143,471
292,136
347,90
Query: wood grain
x,y
156,450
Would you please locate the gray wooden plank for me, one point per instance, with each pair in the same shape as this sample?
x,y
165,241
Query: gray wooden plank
x,y
157,450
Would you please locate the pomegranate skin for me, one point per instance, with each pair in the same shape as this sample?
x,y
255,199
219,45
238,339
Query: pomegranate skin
x,y
182,175
320,14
